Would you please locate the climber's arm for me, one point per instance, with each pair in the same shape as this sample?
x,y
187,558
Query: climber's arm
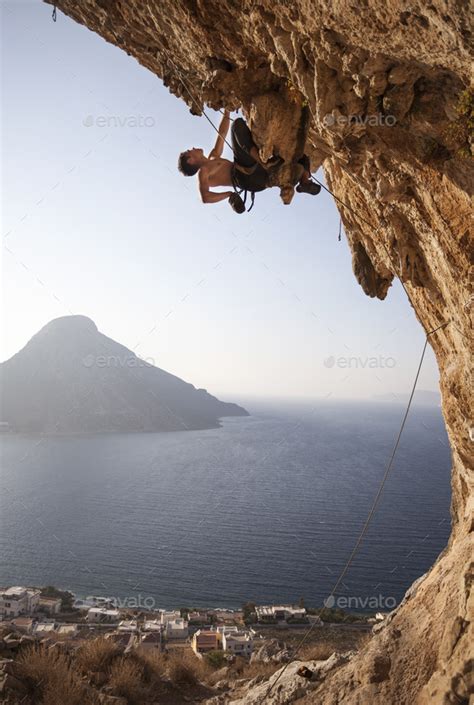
x,y
223,130
210,196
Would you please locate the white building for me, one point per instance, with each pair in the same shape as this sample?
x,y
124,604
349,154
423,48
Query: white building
x,y
177,628
42,628
169,616
102,615
92,601
280,612
226,629
67,630
238,643
152,625
17,600
129,625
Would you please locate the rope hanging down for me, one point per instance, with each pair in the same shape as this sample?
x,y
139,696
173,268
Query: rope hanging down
x,y
373,508
53,16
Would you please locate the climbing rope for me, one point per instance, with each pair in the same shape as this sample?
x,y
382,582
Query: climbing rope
x,y
373,508
340,230
53,16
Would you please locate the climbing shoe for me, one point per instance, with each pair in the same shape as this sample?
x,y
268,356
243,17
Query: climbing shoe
x,y
309,187
236,203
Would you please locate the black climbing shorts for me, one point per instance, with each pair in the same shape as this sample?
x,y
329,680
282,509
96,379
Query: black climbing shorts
x,y
242,142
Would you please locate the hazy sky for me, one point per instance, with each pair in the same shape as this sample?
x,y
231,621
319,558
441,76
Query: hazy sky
x,y
97,220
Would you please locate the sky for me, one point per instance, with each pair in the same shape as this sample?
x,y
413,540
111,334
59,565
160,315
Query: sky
x,y
96,220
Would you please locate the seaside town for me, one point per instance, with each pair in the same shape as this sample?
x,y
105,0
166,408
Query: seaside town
x,y
34,612
48,613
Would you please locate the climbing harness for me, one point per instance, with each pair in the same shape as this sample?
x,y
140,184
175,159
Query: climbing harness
x,y
238,191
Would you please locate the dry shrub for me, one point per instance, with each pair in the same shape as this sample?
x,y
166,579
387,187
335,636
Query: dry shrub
x,y
252,670
152,664
97,655
126,680
339,643
243,669
49,677
316,652
184,670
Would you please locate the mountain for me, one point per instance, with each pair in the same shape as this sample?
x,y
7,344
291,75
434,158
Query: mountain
x,y
70,378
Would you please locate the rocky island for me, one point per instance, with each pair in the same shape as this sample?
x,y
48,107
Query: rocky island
x,y
70,378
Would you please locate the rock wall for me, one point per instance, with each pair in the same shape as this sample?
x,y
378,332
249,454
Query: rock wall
x,y
382,86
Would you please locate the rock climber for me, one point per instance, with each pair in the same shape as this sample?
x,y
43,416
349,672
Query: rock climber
x,y
246,173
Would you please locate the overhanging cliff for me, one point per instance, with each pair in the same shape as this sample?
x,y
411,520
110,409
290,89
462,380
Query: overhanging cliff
x,y
386,86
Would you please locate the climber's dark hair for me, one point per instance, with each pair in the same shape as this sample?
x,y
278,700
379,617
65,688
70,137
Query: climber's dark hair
x,y
185,167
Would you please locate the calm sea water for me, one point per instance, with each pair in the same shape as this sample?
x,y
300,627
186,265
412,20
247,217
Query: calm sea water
x,y
266,508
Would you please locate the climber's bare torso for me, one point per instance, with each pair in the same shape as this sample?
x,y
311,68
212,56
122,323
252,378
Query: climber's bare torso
x,y
217,172
214,170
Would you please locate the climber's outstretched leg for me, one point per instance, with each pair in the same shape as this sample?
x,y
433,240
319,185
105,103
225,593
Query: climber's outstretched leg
x,y
306,184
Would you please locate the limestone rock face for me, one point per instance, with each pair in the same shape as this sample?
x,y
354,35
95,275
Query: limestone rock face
x,y
371,91
271,651
287,685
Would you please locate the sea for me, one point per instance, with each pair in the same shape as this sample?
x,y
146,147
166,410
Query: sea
x,y
265,509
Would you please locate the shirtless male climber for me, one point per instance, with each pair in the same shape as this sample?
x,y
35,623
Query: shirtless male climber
x,y
247,172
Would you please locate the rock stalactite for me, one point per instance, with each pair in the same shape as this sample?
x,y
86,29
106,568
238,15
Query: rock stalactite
x,y
385,86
